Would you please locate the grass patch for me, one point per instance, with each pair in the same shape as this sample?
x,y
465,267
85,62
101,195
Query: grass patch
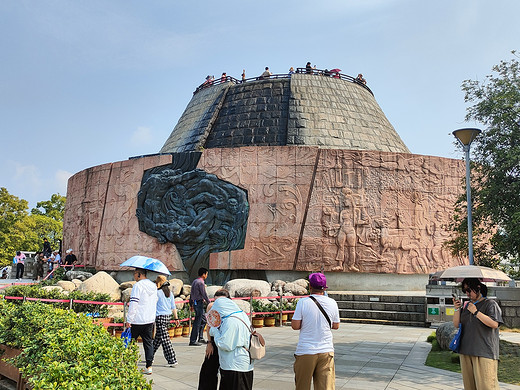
x,y
508,371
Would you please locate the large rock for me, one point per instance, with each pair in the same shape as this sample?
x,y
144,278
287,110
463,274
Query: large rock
x,y
302,282
243,305
66,285
186,290
445,333
277,285
210,290
295,289
81,275
76,282
125,295
179,304
176,286
246,287
125,285
102,283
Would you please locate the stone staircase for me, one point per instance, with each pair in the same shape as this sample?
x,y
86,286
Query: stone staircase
x,y
385,309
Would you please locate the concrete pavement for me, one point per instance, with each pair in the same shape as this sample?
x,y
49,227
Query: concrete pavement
x,y
368,357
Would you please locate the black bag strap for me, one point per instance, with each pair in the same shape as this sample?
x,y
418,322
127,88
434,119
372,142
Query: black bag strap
x,y
322,310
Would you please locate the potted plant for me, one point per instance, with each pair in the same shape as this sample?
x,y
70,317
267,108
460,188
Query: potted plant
x,y
257,320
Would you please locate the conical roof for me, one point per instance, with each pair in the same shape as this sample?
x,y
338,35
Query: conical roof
x,y
304,109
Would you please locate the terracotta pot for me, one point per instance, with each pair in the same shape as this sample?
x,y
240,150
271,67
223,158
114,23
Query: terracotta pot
x,y
103,321
269,321
186,330
258,322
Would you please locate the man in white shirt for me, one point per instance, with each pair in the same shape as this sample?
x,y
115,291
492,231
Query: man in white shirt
x,y
141,314
315,317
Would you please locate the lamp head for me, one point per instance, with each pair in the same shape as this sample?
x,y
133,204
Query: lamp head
x,y
466,136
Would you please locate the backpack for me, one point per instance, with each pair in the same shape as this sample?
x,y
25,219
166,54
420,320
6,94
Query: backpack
x,y
256,342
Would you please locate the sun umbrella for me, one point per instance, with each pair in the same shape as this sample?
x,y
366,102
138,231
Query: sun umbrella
x,y
485,274
147,263
335,70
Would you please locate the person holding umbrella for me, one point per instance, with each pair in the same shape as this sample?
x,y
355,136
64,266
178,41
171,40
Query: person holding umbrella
x,y
141,314
479,344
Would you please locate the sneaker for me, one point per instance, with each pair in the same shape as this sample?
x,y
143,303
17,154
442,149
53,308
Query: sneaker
x,y
202,341
147,371
173,365
195,344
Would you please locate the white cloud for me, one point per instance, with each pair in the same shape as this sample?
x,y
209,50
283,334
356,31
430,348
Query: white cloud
x,y
141,136
27,174
61,178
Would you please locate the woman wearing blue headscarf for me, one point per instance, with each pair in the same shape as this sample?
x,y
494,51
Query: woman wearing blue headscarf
x,y
232,338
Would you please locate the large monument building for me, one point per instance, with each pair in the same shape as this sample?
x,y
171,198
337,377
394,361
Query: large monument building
x,y
272,178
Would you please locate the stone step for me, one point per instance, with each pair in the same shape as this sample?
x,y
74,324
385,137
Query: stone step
x,y
419,324
383,315
378,298
382,306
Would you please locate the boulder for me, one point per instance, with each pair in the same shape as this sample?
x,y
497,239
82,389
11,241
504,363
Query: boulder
x,y
76,282
102,283
125,285
66,285
210,290
245,287
295,289
243,305
277,284
179,304
53,288
186,290
445,333
302,282
125,295
176,286
81,275
115,312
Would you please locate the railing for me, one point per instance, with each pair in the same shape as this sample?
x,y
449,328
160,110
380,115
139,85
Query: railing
x,y
315,72
190,318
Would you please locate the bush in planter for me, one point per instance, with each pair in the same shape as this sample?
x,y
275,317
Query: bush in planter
x,y
63,350
35,291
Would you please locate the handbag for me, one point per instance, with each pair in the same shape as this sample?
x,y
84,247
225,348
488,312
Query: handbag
x,y
256,342
126,336
455,341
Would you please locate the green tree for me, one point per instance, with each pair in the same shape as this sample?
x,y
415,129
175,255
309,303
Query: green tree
x,y
53,208
12,211
20,230
496,165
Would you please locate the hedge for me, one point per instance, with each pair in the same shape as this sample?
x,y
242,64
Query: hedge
x,y
65,350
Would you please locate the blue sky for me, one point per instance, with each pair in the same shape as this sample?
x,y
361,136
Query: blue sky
x,y
84,83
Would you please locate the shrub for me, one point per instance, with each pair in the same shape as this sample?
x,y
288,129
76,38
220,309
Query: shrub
x,y
435,345
64,350
431,337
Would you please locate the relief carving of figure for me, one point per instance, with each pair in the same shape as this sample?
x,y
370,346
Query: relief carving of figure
x,y
195,210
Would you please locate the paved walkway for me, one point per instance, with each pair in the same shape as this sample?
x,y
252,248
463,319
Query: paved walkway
x,y
368,357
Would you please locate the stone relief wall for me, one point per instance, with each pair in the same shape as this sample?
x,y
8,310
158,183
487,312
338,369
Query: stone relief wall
x,y
367,211
100,222
310,208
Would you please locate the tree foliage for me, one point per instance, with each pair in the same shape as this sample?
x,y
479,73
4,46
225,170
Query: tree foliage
x,y
53,208
20,230
496,164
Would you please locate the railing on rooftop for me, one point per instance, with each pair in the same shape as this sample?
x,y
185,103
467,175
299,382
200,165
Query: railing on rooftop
x,y
315,72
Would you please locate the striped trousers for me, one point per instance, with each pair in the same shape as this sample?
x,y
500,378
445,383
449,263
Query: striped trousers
x,y
162,338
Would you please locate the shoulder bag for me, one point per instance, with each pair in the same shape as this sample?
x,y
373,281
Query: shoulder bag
x,y
322,310
256,342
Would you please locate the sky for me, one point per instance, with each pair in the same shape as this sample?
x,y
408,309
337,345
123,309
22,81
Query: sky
x,y
83,83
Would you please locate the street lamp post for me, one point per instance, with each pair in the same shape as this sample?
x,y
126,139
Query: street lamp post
x,y
466,137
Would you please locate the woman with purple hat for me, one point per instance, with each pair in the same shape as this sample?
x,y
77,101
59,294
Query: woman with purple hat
x,y
315,317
